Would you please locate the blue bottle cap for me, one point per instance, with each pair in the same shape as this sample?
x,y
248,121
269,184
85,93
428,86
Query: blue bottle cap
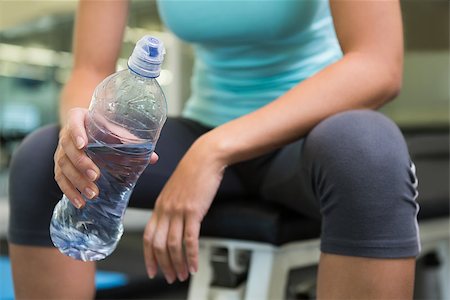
x,y
147,57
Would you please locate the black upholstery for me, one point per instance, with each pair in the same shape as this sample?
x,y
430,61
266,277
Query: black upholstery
x,y
254,220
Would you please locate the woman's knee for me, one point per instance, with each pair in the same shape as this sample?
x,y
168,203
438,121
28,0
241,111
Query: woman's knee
x,y
365,184
356,141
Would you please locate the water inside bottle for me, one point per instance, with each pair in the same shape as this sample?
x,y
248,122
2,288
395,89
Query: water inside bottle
x,y
92,232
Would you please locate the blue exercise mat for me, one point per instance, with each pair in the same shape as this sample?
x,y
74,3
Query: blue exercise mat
x,y
103,280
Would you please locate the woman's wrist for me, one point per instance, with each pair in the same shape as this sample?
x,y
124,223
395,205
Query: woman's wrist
x,y
215,146
78,90
236,141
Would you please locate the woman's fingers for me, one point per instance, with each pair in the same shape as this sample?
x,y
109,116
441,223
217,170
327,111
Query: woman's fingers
x,y
69,190
179,209
76,126
79,160
73,140
190,239
151,264
175,247
154,158
171,243
160,249
72,165
76,167
78,180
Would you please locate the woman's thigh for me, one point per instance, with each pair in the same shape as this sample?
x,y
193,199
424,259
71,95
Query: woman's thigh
x,y
34,192
354,171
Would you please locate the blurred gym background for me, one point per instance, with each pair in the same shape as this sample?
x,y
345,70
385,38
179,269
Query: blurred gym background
x,y
35,61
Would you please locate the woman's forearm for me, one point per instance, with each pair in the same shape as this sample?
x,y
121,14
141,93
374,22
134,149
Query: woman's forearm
x,y
99,29
356,81
369,75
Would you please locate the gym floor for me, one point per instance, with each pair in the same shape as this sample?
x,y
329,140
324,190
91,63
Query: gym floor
x,y
127,260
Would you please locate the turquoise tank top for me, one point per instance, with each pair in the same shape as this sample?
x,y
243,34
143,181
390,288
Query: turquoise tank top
x,y
249,52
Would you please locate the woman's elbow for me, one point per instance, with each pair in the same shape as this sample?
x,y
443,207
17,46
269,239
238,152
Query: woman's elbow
x,y
393,84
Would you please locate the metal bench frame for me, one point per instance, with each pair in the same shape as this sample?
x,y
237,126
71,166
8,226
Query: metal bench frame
x,y
269,265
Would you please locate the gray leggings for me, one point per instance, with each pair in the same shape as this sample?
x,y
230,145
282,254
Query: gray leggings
x,y
352,170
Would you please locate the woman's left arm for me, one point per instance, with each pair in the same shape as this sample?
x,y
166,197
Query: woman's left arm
x,y
368,75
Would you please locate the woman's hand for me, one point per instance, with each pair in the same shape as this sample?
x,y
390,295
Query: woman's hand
x,y
75,172
171,236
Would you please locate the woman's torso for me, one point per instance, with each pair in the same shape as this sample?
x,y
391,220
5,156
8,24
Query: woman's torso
x,y
249,52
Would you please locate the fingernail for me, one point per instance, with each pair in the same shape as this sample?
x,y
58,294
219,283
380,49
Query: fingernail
x,y
90,193
192,271
169,280
77,203
92,175
151,274
80,142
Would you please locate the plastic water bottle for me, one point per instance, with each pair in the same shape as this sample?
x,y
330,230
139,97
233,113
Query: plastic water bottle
x,y
126,115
